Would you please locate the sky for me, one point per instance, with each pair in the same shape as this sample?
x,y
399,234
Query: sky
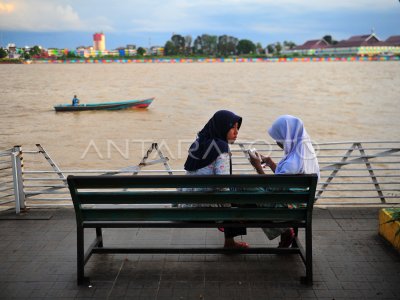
x,y
71,23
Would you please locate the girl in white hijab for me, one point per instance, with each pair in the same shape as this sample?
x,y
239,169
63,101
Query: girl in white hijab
x,y
299,158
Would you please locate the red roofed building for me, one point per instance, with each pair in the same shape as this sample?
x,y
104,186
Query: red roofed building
x,y
312,47
359,41
363,45
394,40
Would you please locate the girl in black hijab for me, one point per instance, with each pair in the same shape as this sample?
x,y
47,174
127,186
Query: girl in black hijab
x,y
209,155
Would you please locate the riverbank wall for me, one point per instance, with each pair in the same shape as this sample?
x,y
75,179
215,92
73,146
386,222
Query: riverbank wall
x,y
217,60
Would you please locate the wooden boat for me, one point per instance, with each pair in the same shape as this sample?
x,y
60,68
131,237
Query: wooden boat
x,y
128,104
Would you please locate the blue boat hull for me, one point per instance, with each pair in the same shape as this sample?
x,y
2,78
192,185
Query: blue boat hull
x,y
129,104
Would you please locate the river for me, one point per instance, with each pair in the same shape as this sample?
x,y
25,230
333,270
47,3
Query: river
x,y
338,101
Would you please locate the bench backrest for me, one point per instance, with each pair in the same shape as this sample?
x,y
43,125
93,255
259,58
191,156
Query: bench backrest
x,y
110,198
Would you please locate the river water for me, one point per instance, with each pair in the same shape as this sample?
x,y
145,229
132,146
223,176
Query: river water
x,y
338,101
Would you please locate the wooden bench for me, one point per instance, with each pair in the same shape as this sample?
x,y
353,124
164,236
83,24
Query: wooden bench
x,y
106,202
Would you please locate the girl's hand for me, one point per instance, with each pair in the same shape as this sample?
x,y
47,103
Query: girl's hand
x,y
255,158
265,160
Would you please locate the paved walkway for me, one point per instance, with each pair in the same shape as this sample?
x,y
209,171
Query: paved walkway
x,y
38,260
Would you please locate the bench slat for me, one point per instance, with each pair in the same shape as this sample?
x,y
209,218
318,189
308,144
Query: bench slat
x,y
258,250
189,224
191,197
193,214
181,181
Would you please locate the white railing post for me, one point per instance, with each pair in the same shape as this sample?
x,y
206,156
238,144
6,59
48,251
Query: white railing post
x,y
17,167
371,173
163,159
335,171
144,162
15,181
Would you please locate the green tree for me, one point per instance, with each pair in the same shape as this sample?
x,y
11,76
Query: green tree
x,y
260,49
328,38
188,44
289,44
271,48
35,51
26,56
179,43
278,48
209,44
246,47
169,48
198,45
227,45
141,51
3,53
72,54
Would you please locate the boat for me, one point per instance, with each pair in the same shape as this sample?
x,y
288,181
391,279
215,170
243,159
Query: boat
x,y
127,104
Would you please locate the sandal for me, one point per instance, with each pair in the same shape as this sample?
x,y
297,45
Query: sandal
x,y
287,238
237,245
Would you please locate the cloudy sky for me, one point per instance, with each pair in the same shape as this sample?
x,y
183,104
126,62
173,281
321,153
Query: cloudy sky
x,y
71,23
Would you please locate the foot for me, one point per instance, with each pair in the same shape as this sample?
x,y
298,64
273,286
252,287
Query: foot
x,y
287,238
236,245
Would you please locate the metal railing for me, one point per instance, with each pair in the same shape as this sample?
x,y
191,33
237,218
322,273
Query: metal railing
x,y
6,177
11,184
352,173
45,184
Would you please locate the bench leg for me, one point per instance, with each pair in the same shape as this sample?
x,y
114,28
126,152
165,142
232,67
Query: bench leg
x,y
80,253
99,236
309,266
296,232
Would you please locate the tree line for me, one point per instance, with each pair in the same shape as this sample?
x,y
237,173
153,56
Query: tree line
x,y
203,45
224,45
26,54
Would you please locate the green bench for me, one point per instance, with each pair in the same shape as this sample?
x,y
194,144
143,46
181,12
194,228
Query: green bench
x,y
106,202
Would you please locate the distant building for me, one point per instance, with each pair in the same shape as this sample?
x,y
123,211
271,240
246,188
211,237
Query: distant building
x,y
12,51
53,53
367,44
362,45
359,40
82,48
157,50
99,42
393,40
90,51
122,51
312,47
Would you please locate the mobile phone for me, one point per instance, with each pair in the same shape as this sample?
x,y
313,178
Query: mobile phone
x,y
253,150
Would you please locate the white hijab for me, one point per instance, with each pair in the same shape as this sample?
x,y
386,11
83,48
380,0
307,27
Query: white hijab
x,y
299,155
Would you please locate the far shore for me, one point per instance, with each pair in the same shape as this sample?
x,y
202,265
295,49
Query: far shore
x,y
200,60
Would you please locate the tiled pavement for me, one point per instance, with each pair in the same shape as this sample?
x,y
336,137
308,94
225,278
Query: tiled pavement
x,y
351,261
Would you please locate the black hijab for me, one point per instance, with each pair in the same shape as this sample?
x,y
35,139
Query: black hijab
x,y
211,140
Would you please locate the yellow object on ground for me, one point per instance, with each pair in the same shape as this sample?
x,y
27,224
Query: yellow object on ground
x,y
388,230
